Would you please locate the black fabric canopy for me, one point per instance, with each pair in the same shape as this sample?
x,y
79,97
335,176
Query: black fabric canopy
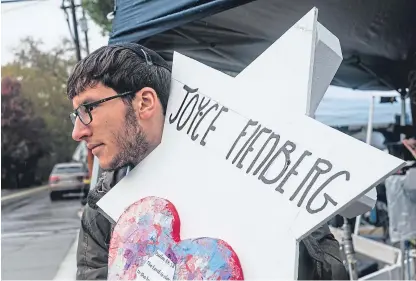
x,y
378,37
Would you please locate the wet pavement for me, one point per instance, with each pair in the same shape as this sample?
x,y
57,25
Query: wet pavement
x,y
36,235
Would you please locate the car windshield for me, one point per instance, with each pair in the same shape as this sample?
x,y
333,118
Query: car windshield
x,y
68,170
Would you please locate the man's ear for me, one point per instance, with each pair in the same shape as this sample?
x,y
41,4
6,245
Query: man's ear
x,y
146,102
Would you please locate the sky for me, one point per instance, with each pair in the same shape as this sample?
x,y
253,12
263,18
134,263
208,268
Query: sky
x,y
44,20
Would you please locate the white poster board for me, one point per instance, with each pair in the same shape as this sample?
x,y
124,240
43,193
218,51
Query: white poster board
x,y
256,173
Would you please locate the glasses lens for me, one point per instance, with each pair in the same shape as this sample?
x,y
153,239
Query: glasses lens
x,y
84,115
73,117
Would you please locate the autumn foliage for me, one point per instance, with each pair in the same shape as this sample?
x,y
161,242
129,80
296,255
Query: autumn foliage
x,y
21,137
35,127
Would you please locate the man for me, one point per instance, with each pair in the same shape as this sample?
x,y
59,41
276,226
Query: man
x,y
120,95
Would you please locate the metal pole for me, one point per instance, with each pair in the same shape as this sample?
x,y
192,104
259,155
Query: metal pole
x,y
90,157
349,251
412,96
347,237
85,29
368,141
402,263
403,113
370,121
75,25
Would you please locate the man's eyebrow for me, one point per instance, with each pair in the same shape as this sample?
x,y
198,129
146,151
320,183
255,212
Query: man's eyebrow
x,y
85,101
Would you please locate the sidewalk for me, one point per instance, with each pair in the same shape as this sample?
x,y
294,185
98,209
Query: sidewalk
x,y
68,268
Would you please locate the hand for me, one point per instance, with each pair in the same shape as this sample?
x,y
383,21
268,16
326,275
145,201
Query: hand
x,y
410,144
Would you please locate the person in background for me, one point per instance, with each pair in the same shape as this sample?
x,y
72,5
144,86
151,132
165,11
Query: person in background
x,y
119,94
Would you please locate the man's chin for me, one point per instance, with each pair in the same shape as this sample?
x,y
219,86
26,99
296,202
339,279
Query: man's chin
x,y
105,165
112,165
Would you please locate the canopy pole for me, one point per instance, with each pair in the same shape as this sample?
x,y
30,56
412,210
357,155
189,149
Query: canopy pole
x,y
368,141
370,121
413,110
412,97
403,96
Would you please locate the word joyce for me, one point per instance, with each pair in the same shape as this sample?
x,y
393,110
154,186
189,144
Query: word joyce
x,y
320,167
205,109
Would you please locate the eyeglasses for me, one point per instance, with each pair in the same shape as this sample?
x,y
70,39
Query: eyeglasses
x,y
84,110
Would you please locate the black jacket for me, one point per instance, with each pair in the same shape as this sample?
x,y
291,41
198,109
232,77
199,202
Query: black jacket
x,y
319,255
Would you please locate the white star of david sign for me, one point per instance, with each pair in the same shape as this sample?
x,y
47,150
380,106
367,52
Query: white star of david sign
x,y
242,160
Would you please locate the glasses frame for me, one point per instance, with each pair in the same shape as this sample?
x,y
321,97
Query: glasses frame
x,y
73,115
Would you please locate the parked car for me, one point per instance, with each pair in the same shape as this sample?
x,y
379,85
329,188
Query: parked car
x,y
68,178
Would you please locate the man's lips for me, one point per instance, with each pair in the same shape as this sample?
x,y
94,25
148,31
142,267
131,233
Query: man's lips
x,y
92,146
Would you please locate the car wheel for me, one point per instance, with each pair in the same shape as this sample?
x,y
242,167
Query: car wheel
x,y
54,196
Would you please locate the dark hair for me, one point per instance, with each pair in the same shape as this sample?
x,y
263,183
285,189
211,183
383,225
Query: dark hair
x,y
124,67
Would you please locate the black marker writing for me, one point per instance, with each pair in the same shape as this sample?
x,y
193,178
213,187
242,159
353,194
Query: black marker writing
x,y
242,134
193,136
250,148
292,171
198,109
198,116
180,126
248,139
276,139
211,126
272,136
287,148
201,107
319,171
188,90
326,196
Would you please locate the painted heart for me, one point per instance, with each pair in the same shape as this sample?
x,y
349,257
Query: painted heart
x,y
146,240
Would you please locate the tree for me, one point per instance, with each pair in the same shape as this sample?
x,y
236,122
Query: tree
x,y
42,76
98,11
22,136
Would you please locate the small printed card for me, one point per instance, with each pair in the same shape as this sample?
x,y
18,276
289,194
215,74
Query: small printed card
x,y
157,267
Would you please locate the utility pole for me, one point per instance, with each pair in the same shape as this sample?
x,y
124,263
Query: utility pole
x,y
75,26
84,28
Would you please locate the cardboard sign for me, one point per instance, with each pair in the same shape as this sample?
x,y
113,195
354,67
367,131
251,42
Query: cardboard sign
x,y
236,183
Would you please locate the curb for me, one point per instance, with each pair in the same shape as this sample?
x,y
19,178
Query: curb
x,y
23,193
68,268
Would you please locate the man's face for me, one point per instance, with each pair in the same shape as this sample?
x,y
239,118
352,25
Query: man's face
x,y
114,135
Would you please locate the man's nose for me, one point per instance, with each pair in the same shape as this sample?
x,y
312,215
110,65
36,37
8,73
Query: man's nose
x,y
80,131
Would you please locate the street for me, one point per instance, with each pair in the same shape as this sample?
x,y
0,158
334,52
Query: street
x,y
36,234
